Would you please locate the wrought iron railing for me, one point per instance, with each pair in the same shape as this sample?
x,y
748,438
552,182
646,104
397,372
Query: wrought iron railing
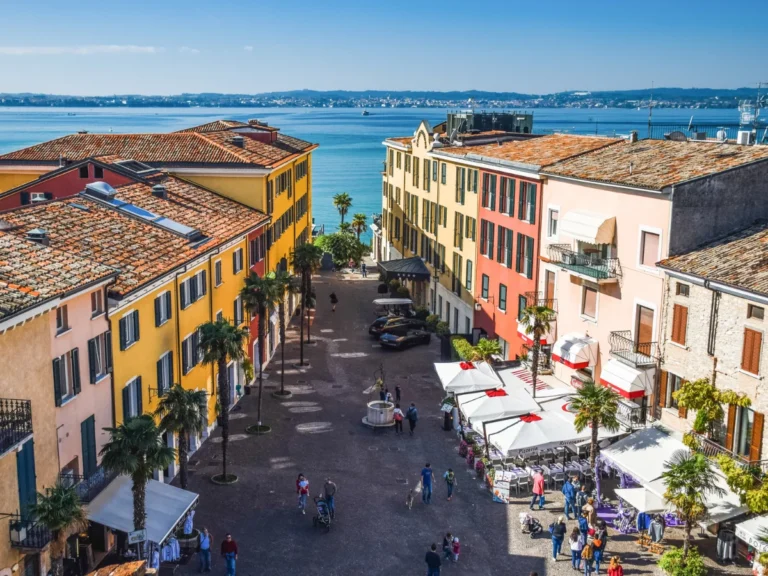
x,y
538,299
712,449
630,414
28,534
15,422
589,265
637,354
88,487
703,132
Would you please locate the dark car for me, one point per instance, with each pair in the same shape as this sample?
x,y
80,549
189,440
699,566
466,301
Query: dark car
x,y
394,325
410,338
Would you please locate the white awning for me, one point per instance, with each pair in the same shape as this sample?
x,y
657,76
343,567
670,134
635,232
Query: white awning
x,y
643,453
575,350
466,376
753,531
591,227
480,407
546,338
629,382
166,505
642,500
393,302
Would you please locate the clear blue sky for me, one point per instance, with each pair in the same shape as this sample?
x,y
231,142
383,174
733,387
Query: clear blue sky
x,y
170,46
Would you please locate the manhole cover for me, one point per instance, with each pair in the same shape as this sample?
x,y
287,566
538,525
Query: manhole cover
x,y
402,480
373,448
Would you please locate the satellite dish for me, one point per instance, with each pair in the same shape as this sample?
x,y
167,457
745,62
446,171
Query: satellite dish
x,y
676,136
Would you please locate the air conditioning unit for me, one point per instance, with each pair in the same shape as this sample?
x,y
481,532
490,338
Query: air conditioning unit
x,y
699,136
743,137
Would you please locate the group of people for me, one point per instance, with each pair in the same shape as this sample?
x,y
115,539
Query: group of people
x,y
451,551
328,494
427,479
228,551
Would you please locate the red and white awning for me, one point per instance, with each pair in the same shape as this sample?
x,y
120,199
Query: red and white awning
x,y
546,338
575,350
629,382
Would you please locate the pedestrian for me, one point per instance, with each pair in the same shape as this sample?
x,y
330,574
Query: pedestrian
x,y
383,394
426,483
588,555
570,496
364,270
412,415
456,549
388,396
329,489
599,542
447,546
433,561
581,500
538,489
334,301
558,530
398,391
302,489
576,483
577,541
204,544
615,568
229,552
450,482
583,524
589,510
398,419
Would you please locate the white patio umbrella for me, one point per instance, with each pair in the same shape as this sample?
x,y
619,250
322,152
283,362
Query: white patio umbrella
x,y
642,499
479,407
466,376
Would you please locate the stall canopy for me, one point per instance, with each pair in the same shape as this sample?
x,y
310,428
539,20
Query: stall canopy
x,y
626,380
166,506
575,350
753,531
466,376
587,226
642,454
642,499
404,269
480,407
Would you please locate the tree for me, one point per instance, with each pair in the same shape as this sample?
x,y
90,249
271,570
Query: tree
x,y
342,247
485,349
136,448
536,322
346,228
220,342
59,509
260,296
285,285
342,202
182,412
595,406
690,478
305,260
708,402
359,223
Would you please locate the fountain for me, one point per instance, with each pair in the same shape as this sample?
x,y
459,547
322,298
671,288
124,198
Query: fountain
x,y
381,414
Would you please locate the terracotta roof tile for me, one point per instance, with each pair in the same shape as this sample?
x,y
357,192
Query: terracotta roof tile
x,y
404,140
657,164
739,260
217,126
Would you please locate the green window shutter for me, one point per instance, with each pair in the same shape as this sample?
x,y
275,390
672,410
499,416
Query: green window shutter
x,y
168,304
57,381
108,350
135,318
126,403
532,203
122,325
139,399
75,358
158,312
92,343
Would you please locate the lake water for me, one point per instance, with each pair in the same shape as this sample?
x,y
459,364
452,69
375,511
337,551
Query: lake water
x,y
350,155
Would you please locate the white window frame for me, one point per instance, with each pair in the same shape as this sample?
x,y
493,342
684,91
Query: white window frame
x,y
167,372
553,208
165,315
201,288
62,320
101,356
219,315
640,265
543,284
134,405
238,260
36,197
129,330
239,309
218,273
98,296
66,377
596,287
652,306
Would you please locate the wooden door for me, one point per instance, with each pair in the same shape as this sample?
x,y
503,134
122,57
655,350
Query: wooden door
x,y
644,330
549,286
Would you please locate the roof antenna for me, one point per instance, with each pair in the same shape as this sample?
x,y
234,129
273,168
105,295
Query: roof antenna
x,y
650,111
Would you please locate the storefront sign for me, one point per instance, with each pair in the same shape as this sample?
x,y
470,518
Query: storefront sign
x,y
137,536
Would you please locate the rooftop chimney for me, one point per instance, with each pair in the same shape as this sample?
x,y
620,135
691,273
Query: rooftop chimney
x,y
238,141
39,235
160,191
633,137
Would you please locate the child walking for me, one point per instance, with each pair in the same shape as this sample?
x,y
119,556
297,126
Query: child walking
x,y
302,489
456,549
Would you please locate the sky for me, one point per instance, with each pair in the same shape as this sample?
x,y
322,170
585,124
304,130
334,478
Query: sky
x,y
169,47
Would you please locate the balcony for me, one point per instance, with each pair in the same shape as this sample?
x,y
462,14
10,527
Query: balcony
x,y
538,299
88,487
630,414
589,266
28,534
637,354
712,449
15,423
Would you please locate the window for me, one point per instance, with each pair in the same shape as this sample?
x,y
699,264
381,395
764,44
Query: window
x,y
132,404
750,354
426,175
507,199
416,172
643,328
679,324
755,312
456,273
502,297
434,170
673,385
99,356
163,308
522,304
39,197
407,162
524,259
97,303
489,191
439,305
505,253
399,159
549,287
443,172
84,171
447,311
129,329
66,376
217,272
237,261
554,215
397,228
219,316
468,279
441,257
649,249
238,311
470,230
461,181
484,287
62,320
486,238
456,320
98,172
589,302
467,329
458,230
682,289
194,288
190,352
257,244
526,204
164,373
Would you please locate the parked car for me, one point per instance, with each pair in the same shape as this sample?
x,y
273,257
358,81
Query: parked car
x,y
410,338
394,325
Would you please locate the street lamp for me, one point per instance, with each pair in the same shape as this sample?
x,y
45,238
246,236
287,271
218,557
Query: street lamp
x,y
436,279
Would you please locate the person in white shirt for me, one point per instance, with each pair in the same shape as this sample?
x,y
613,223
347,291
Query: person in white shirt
x,y
399,417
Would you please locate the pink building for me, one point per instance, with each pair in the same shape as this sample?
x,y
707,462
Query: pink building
x,y
608,217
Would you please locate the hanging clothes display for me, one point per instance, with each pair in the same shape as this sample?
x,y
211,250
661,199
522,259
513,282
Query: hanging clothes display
x,y
726,545
188,522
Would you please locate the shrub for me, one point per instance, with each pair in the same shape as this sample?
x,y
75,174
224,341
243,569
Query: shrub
x,y
394,285
441,329
422,313
403,292
383,288
672,562
432,321
342,247
463,349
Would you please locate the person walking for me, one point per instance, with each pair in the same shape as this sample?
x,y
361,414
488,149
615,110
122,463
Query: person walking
x,y
398,391
334,301
364,270
399,416
329,490
589,510
229,552
447,546
450,482
577,541
413,416
538,489
615,568
204,544
433,561
426,483
302,489
456,549
388,396
558,535
588,556
580,501
599,542
583,524
570,498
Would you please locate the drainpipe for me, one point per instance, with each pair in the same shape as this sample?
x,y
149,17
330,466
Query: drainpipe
x,y
109,327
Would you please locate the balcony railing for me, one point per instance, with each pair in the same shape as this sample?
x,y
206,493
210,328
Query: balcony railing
x,y
637,354
589,265
15,422
630,414
712,449
538,299
88,487
28,534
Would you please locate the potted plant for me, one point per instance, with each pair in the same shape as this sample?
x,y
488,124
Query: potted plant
x,y
249,373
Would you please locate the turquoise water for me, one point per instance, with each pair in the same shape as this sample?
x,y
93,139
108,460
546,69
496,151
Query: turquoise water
x,y
350,155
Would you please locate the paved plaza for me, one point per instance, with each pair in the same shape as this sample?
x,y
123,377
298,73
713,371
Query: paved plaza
x,y
318,432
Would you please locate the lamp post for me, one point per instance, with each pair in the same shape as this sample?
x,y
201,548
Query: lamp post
x,y
436,279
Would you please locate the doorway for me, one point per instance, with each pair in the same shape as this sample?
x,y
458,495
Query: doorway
x,y
549,286
643,328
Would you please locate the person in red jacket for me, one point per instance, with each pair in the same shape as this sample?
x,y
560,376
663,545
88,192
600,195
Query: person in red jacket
x,y
615,568
229,552
302,489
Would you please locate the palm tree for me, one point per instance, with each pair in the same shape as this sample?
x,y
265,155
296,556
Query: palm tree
x,y
136,448
182,412
59,509
536,322
485,350
305,260
346,228
595,406
285,285
220,342
260,296
359,222
342,202
690,479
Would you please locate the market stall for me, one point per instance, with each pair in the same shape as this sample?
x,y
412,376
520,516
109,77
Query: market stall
x,y
456,377
479,407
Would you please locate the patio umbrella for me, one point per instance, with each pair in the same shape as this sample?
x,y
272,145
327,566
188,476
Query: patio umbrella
x,y
642,499
479,407
459,377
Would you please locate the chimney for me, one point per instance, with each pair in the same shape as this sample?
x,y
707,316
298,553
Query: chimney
x,y
633,137
160,191
238,141
39,235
